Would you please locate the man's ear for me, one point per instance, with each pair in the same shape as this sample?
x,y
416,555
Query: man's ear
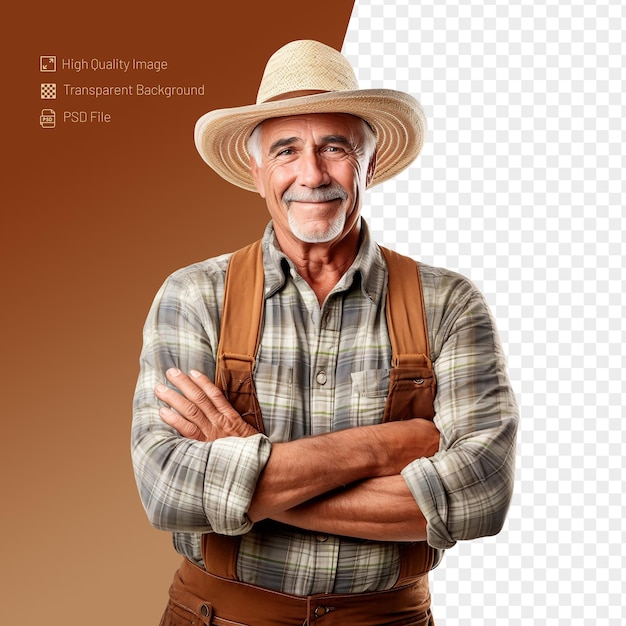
x,y
371,168
258,179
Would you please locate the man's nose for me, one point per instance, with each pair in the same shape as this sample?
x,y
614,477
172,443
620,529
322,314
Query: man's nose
x,y
312,170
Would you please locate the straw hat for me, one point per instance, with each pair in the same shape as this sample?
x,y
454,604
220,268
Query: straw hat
x,y
331,87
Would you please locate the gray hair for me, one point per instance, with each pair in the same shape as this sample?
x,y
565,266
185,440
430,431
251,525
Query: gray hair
x,y
254,144
367,147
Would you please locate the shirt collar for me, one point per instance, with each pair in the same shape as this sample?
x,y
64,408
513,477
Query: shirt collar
x,y
368,267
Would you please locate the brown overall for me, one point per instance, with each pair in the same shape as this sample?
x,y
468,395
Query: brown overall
x,y
216,597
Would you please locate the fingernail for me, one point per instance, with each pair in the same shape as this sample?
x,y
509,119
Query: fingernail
x,y
195,373
160,388
173,371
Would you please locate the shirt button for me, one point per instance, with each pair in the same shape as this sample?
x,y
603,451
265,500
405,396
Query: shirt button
x,y
322,537
321,377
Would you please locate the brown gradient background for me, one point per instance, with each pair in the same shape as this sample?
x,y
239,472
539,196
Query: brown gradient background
x,y
95,217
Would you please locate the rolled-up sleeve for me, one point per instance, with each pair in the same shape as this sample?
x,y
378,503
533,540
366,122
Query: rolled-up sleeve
x,y
186,485
465,489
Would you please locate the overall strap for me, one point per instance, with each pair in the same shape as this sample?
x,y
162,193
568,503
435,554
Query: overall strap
x,y
406,317
240,331
412,384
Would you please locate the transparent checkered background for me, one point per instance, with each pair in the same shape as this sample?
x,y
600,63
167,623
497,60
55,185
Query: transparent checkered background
x,y
519,187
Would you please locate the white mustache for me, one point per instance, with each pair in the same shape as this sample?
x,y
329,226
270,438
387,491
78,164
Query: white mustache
x,y
322,194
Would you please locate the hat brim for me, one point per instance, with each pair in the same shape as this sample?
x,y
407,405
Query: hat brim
x,y
397,118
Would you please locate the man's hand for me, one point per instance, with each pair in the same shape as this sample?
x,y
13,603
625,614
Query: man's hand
x,y
202,412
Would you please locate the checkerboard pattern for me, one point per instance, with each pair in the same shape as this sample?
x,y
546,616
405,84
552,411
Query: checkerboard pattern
x,y
48,91
520,187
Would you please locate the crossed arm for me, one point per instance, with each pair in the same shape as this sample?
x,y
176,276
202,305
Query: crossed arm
x,y
302,483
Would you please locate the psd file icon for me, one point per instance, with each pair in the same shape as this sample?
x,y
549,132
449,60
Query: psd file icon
x,y
48,118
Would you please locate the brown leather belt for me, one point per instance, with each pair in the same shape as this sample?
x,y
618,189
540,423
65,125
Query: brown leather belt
x,y
213,601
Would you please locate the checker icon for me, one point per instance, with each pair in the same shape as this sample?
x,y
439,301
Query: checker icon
x,y
48,91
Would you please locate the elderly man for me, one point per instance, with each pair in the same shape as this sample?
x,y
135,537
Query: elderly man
x,y
361,419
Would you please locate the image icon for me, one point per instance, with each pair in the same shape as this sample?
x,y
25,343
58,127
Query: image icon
x,y
48,63
48,91
48,118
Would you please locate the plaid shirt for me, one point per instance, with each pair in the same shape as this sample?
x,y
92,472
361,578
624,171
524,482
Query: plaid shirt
x,y
319,370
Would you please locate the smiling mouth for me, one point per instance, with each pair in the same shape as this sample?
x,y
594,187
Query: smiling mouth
x,y
314,207
326,201
313,200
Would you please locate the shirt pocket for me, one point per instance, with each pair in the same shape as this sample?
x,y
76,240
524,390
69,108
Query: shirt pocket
x,y
275,391
369,395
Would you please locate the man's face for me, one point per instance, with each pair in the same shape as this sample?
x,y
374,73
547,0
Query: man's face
x,y
313,171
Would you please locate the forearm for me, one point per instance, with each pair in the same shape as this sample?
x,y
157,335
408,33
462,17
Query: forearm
x,y
298,471
378,509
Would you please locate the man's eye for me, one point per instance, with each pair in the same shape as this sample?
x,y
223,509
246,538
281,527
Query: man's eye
x,y
334,150
285,152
